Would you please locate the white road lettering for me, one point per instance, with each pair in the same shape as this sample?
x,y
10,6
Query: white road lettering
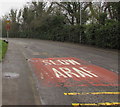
x,y
81,73
68,72
58,73
63,71
53,63
61,62
46,62
73,62
64,62
83,68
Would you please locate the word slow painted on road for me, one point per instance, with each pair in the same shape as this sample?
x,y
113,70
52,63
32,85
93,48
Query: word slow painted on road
x,y
72,72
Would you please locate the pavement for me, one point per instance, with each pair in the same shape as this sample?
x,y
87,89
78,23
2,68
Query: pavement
x,y
21,87
18,86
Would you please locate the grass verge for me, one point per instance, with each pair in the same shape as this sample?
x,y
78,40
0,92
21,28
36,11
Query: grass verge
x,y
3,49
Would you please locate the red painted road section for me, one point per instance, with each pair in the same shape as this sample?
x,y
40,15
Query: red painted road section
x,y
69,72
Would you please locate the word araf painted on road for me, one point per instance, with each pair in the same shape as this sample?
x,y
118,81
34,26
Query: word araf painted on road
x,y
72,72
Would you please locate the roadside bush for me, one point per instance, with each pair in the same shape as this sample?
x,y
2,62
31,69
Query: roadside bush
x,y
91,33
105,36
108,36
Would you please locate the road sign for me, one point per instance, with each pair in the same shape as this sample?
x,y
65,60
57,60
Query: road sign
x,y
7,27
8,21
69,72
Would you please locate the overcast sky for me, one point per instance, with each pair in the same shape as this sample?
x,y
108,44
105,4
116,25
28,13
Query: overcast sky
x,y
6,5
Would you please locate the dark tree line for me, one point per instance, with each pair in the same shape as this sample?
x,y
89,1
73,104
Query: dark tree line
x,y
92,23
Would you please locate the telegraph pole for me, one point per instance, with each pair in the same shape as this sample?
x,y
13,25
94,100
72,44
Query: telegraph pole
x,y
7,35
80,22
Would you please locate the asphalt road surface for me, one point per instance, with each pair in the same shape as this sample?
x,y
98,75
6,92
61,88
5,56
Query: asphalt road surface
x,y
20,86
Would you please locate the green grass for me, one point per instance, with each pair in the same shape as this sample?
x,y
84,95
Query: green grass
x,y
3,49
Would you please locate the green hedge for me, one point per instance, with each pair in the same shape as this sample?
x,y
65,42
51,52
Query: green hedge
x,y
55,28
3,49
103,35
